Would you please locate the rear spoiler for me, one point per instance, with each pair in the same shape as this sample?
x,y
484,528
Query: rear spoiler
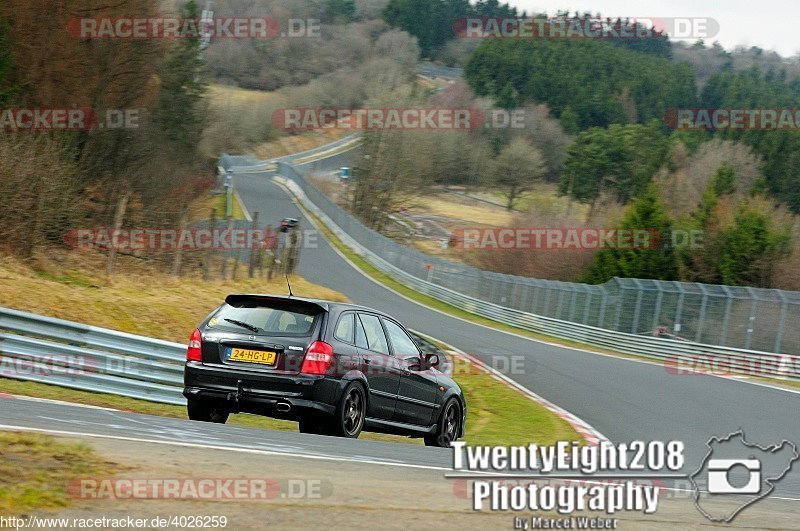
x,y
299,305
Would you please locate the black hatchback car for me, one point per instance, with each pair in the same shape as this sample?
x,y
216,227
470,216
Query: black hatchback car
x,y
335,368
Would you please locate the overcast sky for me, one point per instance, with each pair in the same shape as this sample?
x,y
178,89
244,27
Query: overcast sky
x,y
769,24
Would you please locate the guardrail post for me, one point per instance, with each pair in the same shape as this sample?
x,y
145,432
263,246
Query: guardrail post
x,y
726,320
751,319
637,309
701,320
252,265
228,195
679,310
781,321
618,313
659,302
223,270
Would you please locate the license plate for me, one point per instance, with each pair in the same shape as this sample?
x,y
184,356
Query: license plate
x,y
251,356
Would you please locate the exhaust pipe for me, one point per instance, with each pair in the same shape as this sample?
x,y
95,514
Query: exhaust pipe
x,y
283,407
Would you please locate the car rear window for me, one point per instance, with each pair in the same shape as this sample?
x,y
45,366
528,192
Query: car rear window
x,y
344,328
270,318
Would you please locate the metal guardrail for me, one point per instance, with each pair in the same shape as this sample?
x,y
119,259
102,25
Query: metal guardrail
x,y
747,318
68,354
247,164
676,354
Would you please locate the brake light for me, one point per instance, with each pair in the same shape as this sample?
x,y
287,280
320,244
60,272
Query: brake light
x,y
195,342
318,358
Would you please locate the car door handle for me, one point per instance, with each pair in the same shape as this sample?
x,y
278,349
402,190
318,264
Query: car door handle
x,y
405,372
366,361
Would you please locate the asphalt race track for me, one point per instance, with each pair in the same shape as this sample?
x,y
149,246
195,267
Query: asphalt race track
x,y
623,399
50,416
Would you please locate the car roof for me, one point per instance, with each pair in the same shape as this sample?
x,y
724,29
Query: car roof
x,y
322,303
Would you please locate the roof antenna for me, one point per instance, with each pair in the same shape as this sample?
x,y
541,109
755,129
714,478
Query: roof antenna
x,y
288,284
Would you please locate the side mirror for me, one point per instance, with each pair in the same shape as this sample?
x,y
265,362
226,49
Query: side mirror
x,y
414,363
432,361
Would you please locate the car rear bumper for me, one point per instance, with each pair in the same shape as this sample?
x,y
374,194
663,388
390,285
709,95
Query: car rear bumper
x,y
261,393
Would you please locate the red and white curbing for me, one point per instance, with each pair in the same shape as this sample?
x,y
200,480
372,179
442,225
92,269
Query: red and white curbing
x,y
589,434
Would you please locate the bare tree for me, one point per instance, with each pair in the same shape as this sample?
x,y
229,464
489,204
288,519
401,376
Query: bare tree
x,y
516,168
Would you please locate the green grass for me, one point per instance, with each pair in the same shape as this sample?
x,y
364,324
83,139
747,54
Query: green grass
x,y
436,304
69,277
221,205
35,471
500,415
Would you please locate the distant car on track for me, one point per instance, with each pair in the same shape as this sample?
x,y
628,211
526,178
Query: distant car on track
x,y
335,368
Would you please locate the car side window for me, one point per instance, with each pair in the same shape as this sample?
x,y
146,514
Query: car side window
x,y
374,331
345,328
402,345
361,336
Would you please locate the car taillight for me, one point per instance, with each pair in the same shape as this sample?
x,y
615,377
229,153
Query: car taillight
x,y
195,342
318,358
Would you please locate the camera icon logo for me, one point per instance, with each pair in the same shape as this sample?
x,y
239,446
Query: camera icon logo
x,y
719,480
725,471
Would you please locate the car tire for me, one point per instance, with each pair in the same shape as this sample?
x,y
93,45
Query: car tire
x,y
348,420
448,427
206,411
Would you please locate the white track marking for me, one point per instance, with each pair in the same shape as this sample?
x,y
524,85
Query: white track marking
x,y
64,433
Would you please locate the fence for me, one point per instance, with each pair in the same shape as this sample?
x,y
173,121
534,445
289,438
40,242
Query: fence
x,y
745,318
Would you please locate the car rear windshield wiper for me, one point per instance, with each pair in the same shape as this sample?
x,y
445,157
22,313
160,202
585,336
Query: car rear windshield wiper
x,y
250,327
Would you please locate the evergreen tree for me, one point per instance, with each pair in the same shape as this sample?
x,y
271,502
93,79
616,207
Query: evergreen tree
x,y
655,263
750,248
600,82
178,113
622,158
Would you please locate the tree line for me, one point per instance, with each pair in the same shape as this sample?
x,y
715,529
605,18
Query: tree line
x,y
54,181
